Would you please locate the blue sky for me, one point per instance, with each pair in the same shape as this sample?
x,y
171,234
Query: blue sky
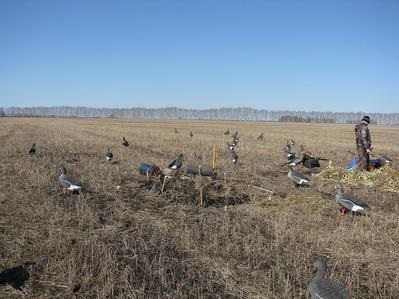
x,y
277,55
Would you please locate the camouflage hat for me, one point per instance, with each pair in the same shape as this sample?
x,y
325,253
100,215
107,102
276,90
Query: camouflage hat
x,y
366,118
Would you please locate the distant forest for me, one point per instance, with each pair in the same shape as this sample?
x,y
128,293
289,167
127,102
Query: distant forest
x,y
240,113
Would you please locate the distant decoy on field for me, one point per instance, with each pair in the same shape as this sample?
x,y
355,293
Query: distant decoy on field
x,y
235,135
298,178
234,156
176,131
109,155
124,141
236,140
191,134
227,132
348,202
16,276
230,146
324,288
32,150
260,137
287,152
69,182
177,163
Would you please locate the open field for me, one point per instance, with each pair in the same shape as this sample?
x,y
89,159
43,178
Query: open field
x,y
130,242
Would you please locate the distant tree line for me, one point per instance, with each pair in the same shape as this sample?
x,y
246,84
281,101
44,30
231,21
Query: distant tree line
x,y
240,113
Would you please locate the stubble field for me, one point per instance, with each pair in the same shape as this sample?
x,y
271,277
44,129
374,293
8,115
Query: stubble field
x,y
242,242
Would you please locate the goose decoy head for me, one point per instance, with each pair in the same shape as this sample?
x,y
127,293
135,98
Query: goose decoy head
x,y
338,187
320,267
63,170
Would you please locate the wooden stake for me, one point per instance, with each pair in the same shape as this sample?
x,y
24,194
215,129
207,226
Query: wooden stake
x,y
224,176
163,184
259,188
148,175
200,170
214,158
201,197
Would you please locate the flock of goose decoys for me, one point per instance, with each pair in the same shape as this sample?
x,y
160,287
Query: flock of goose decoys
x,y
319,287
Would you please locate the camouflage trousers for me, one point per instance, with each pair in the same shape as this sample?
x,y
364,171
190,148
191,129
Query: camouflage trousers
x,y
364,158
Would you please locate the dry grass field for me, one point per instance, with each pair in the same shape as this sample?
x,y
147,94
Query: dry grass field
x,y
130,242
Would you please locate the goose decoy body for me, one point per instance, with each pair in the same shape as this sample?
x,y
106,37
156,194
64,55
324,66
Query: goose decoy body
x,y
234,156
69,182
109,155
16,276
260,137
124,141
32,150
295,160
227,132
230,146
348,202
324,288
298,178
236,140
177,163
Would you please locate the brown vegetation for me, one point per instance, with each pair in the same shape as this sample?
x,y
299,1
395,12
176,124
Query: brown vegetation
x,y
136,241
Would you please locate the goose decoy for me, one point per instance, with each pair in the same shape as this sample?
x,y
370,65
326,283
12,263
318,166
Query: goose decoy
x,y
235,135
109,155
260,137
177,163
298,178
32,150
348,202
227,132
234,156
16,276
236,141
176,131
191,134
69,182
385,160
324,288
230,146
124,141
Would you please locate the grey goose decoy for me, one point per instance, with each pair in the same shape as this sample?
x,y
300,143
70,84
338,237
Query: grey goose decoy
x,y
324,288
177,163
236,140
298,178
227,132
348,202
234,156
191,134
32,150
230,146
69,182
124,141
109,156
260,137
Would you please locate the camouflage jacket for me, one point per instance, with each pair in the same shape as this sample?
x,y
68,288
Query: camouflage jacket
x,y
362,136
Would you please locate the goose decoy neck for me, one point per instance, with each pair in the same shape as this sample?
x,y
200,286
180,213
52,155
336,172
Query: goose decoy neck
x,y
320,268
63,169
339,188
33,145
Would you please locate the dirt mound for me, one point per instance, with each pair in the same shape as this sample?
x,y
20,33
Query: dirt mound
x,y
384,179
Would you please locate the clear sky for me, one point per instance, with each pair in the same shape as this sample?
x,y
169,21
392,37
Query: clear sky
x,y
340,55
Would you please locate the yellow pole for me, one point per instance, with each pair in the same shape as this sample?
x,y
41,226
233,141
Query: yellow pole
x,y
214,158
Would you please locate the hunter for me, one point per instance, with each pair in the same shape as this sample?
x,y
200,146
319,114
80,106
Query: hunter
x,y
363,143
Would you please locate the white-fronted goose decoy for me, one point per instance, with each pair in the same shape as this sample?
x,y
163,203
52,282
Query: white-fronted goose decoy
x,y
124,141
260,137
234,156
32,150
288,153
230,147
191,134
177,163
69,182
324,288
109,155
348,202
298,178
236,140
227,132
